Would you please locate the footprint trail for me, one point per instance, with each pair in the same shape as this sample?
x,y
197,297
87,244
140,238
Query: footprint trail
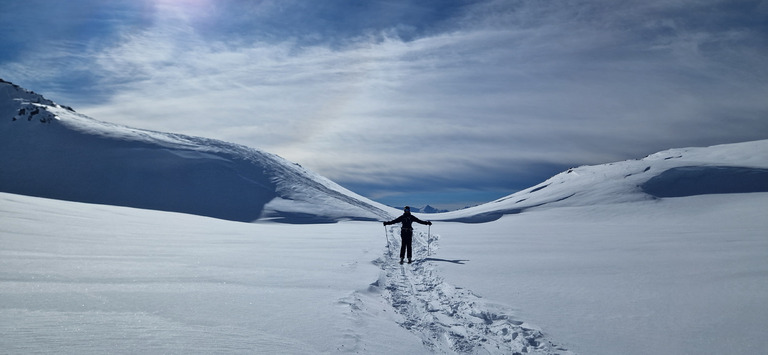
x,y
450,319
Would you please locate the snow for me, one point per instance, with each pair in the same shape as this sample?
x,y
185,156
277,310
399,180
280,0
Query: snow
x,y
740,167
58,153
682,275
674,276
93,278
144,250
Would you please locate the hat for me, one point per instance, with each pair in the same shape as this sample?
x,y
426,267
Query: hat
x,y
407,208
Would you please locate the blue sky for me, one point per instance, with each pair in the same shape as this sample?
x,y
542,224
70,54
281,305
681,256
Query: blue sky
x,y
449,103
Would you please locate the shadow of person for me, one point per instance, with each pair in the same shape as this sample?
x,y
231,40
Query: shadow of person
x,y
456,261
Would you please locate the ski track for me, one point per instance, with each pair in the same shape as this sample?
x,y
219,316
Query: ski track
x,y
446,318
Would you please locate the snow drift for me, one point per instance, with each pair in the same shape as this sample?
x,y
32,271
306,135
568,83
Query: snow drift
x,y
622,269
48,150
728,168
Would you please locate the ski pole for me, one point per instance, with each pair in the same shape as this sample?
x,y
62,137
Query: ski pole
x,y
386,236
429,239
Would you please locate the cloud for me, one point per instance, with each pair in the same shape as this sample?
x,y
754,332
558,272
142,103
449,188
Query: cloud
x,y
493,96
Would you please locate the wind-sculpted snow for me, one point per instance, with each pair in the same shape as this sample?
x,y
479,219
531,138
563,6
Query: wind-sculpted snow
x,y
446,318
730,168
703,180
48,150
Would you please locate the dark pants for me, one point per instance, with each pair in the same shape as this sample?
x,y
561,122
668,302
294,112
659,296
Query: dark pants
x,y
406,237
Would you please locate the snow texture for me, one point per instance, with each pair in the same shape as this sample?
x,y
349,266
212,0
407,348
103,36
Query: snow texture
x,y
448,318
729,168
47,150
668,276
661,255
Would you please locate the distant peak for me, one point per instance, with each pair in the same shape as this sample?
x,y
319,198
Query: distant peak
x,y
24,98
32,111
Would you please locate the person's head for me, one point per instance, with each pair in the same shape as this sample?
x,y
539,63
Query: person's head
x,y
407,209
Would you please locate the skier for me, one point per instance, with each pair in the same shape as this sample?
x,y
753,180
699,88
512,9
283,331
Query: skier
x,y
406,232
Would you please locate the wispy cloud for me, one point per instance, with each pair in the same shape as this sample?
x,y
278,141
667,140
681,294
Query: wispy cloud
x,y
497,98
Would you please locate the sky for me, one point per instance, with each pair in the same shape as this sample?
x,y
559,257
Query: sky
x,y
449,103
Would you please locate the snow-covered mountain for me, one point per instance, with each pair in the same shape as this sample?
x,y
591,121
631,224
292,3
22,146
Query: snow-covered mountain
x,y
426,209
623,269
48,150
728,168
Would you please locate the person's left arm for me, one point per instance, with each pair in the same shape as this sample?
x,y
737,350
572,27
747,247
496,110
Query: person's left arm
x,y
422,222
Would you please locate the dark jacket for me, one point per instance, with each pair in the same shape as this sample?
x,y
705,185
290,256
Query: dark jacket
x,y
407,220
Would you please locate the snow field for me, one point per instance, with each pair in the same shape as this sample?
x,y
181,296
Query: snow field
x,y
672,276
599,258
94,278
80,278
447,318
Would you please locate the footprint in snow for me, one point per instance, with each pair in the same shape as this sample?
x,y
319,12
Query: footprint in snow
x,y
450,319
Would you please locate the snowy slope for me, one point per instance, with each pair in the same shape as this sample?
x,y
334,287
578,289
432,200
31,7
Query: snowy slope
x,y
51,151
685,275
670,276
662,255
90,279
729,168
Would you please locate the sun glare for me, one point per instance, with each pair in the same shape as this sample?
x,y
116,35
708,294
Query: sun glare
x,y
189,9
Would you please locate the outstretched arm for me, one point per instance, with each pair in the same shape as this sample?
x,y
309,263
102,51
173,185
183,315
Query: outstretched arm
x,y
422,222
396,220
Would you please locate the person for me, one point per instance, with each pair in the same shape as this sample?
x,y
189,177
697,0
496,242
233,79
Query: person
x,y
406,232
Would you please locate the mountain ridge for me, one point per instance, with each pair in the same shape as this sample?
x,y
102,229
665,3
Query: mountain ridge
x,y
679,172
49,150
